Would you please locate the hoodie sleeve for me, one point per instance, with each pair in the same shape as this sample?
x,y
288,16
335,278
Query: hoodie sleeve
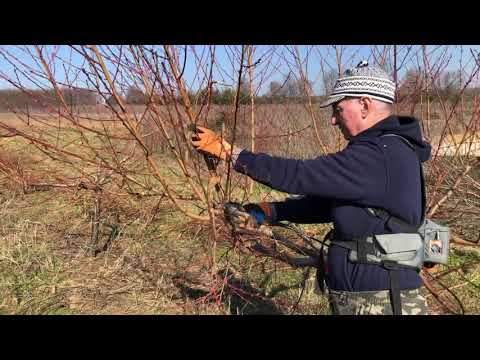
x,y
356,173
303,210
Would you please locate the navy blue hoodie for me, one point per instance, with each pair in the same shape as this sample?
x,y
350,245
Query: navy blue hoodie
x,y
372,171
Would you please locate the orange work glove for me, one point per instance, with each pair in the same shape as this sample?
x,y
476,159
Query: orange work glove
x,y
207,141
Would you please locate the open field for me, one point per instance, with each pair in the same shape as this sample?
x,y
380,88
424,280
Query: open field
x,y
152,258
284,129
156,264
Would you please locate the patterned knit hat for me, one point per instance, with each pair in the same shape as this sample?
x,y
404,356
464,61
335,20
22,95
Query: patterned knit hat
x,y
360,81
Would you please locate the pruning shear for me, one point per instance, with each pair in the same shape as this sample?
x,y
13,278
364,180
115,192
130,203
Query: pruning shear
x,y
239,218
244,223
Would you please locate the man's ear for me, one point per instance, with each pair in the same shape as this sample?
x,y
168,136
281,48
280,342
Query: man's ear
x,y
366,106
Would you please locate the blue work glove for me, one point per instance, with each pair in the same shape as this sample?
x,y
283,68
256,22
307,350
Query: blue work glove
x,y
260,212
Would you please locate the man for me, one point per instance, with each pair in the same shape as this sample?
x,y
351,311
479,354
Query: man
x,y
379,169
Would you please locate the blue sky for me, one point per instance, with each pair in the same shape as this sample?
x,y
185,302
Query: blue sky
x,y
226,62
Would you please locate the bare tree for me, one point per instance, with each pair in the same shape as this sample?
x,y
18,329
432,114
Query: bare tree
x,y
136,144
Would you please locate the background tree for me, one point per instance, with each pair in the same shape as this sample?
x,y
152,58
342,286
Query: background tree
x,y
136,96
329,81
449,83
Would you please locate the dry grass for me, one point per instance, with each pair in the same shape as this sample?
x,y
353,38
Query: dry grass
x,y
45,120
158,268
154,266
44,268
157,264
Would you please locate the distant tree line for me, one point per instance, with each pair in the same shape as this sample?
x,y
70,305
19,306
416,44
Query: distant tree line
x,y
447,85
39,99
291,90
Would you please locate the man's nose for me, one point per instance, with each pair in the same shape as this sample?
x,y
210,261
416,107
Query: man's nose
x,y
333,120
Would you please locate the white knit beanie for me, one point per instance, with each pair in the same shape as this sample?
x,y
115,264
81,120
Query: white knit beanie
x,y
363,80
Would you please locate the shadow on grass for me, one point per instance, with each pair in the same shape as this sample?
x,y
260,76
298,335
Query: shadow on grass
x,y
239,296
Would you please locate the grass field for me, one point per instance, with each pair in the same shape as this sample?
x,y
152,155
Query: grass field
x,y
159,268
156,263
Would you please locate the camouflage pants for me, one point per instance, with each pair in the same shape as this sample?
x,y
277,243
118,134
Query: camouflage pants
x,y
376,303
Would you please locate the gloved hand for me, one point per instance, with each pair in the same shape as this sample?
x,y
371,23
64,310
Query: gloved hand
x,y
260,212
207,141
238,216
248,216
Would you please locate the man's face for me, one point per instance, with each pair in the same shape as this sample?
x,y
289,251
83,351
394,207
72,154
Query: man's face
x,y
347,115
